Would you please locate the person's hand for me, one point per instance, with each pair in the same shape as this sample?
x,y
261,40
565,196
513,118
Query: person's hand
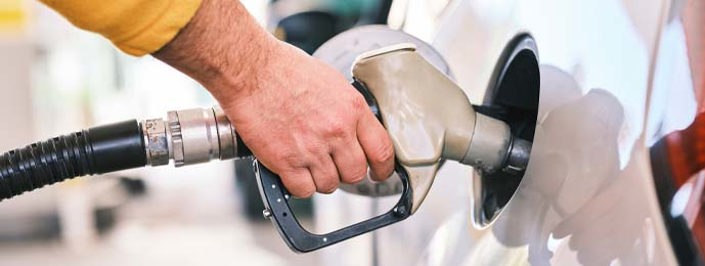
x,y
306,123
300,117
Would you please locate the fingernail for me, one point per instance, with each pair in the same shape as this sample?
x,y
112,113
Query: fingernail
x,y
373,176
370,174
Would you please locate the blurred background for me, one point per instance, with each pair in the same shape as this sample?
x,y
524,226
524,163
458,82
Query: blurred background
x,y
57,79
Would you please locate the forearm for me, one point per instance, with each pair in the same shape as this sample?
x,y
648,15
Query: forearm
x,y
222,47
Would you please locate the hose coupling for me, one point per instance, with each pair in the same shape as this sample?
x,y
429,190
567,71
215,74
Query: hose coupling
x,y
190,136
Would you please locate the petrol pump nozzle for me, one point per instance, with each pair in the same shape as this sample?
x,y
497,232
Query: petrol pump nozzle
x,y
430,119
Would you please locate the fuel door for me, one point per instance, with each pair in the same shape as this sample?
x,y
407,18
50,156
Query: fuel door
x,y
513,97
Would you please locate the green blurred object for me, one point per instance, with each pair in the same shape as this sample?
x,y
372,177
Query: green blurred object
x,y
309,29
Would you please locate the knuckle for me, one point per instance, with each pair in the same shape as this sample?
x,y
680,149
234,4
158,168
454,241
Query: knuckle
x,y
293,159
338,129
359,103
298,186
303,191
328,186
383,154
355,174
328,190
356,179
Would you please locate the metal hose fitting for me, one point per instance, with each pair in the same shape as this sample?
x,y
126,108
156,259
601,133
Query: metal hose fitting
x,y
190,136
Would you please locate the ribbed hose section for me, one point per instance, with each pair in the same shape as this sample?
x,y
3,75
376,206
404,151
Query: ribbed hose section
x,y
44,163
97,150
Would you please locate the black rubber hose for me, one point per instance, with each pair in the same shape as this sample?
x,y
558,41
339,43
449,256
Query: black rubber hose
x,y
97,150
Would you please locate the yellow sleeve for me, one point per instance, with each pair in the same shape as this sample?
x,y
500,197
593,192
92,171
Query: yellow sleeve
x,y
137,27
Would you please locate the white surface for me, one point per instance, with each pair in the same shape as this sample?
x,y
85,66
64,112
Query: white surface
x,y
588,196
16,114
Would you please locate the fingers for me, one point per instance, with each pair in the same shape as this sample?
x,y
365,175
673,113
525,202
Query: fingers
x,y
325,175
350,161
299,182
377,146
321,176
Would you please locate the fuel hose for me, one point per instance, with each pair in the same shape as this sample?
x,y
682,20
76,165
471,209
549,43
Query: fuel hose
x,y
186,137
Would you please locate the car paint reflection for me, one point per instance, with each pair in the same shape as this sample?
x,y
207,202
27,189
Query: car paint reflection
x,y
574,186
575,203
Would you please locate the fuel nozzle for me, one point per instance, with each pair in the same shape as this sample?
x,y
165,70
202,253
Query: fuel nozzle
x,y
494,148
430,119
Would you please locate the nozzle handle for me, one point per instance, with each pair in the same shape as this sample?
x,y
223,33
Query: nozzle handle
x,y
276,200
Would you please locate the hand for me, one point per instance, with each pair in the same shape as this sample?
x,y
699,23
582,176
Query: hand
x,y
306,123
300,117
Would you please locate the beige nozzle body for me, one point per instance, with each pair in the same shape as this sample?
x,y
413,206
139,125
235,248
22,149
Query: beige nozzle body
x,y
428,117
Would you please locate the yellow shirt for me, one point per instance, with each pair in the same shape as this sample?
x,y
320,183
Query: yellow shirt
x,y
137,27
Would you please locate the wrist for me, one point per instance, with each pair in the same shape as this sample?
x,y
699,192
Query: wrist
x,y
222,47
245,67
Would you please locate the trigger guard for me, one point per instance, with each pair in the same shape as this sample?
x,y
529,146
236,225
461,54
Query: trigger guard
x,y
276,201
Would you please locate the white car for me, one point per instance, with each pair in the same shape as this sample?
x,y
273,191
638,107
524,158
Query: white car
x,y
615,78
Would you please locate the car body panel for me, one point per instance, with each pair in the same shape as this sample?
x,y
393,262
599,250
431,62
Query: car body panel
x,y
588,195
